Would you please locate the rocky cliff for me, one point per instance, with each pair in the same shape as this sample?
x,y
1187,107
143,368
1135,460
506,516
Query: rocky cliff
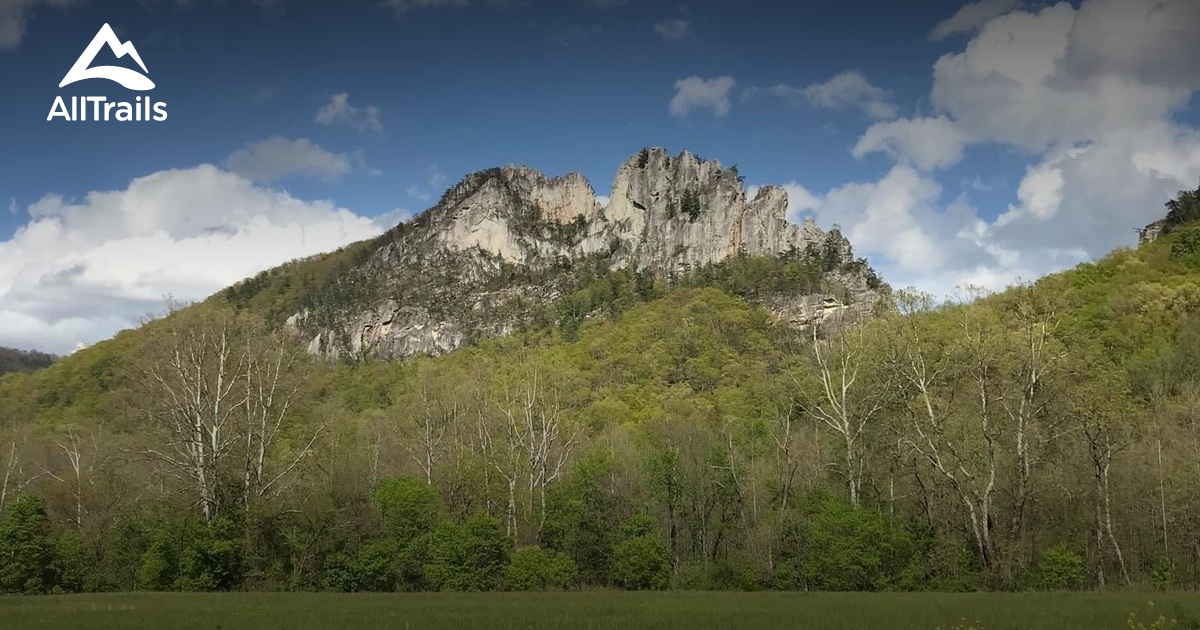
x,y
503,245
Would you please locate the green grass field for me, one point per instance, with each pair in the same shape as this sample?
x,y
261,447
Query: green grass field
x,y
599,610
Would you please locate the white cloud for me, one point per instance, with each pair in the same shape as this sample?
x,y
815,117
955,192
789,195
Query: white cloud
x,y
276,158
339,111
1040,193
392,218
845,91
12,207
673,29
927,143
695,93
1095,114
14,16
971,17
77,272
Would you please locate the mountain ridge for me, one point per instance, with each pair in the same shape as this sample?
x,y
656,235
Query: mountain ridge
x,y
503,245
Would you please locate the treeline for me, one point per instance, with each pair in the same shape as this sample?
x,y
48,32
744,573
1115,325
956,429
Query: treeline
x,y
13,360
1042,438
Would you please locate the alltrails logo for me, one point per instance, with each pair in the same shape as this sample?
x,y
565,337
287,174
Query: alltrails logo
x,y
99,107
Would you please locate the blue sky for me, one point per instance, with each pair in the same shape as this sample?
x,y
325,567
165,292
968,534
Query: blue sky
x,y
955,143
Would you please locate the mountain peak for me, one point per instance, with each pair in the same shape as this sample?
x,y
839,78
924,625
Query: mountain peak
x,y
507,242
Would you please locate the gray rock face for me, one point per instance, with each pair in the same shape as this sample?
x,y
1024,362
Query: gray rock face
x,y
504,243
1151,232
685,212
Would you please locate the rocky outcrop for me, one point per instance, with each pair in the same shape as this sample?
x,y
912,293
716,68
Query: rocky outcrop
x,y
684,212
503,244
1151,232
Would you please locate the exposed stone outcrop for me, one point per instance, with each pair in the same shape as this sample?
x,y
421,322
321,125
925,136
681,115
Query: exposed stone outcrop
x,y
504,241
1151,232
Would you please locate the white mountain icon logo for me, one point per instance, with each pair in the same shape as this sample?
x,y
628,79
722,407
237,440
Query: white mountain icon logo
x,y
129,78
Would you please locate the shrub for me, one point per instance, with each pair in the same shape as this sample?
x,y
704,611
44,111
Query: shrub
x,y
1186,248
1060,569
859,549
536,569
371,568
470,557
641,561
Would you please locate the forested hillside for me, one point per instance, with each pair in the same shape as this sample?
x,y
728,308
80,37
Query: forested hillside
x,y
677,437
13,360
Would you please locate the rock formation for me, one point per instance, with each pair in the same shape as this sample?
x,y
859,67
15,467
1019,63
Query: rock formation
x,y
504,243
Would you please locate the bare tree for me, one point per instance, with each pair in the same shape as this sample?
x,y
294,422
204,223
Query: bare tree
x,y
1101,406
536,425
272,385
216,384
961,449
845,397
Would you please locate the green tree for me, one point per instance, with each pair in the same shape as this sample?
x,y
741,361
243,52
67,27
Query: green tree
x,y
858,549
536,569
26,551
1060,569
468,557
74,563
410,507
641,561
581,517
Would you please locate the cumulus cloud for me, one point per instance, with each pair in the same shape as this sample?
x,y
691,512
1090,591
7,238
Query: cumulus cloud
x,y
1095,115
673,29
971,17
339,112
78,271
695,93
277,157
848,90
14,17
927,143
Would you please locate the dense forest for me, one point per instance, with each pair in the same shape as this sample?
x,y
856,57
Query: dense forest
x,y
13,360
1045,437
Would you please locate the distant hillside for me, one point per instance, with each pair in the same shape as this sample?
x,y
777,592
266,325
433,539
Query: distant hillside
x,y
648,428
13,360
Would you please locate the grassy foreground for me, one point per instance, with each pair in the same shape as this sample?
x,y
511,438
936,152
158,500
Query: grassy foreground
x,y
599,610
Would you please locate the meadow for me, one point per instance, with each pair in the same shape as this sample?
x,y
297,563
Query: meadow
x,y
603,610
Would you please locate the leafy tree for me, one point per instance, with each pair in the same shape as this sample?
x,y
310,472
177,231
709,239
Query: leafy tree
x,y
536,569
1183,209
469,557
211,558
26,550
74,563
372,568
641,561
410,507
581,518
857,549
1060,569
